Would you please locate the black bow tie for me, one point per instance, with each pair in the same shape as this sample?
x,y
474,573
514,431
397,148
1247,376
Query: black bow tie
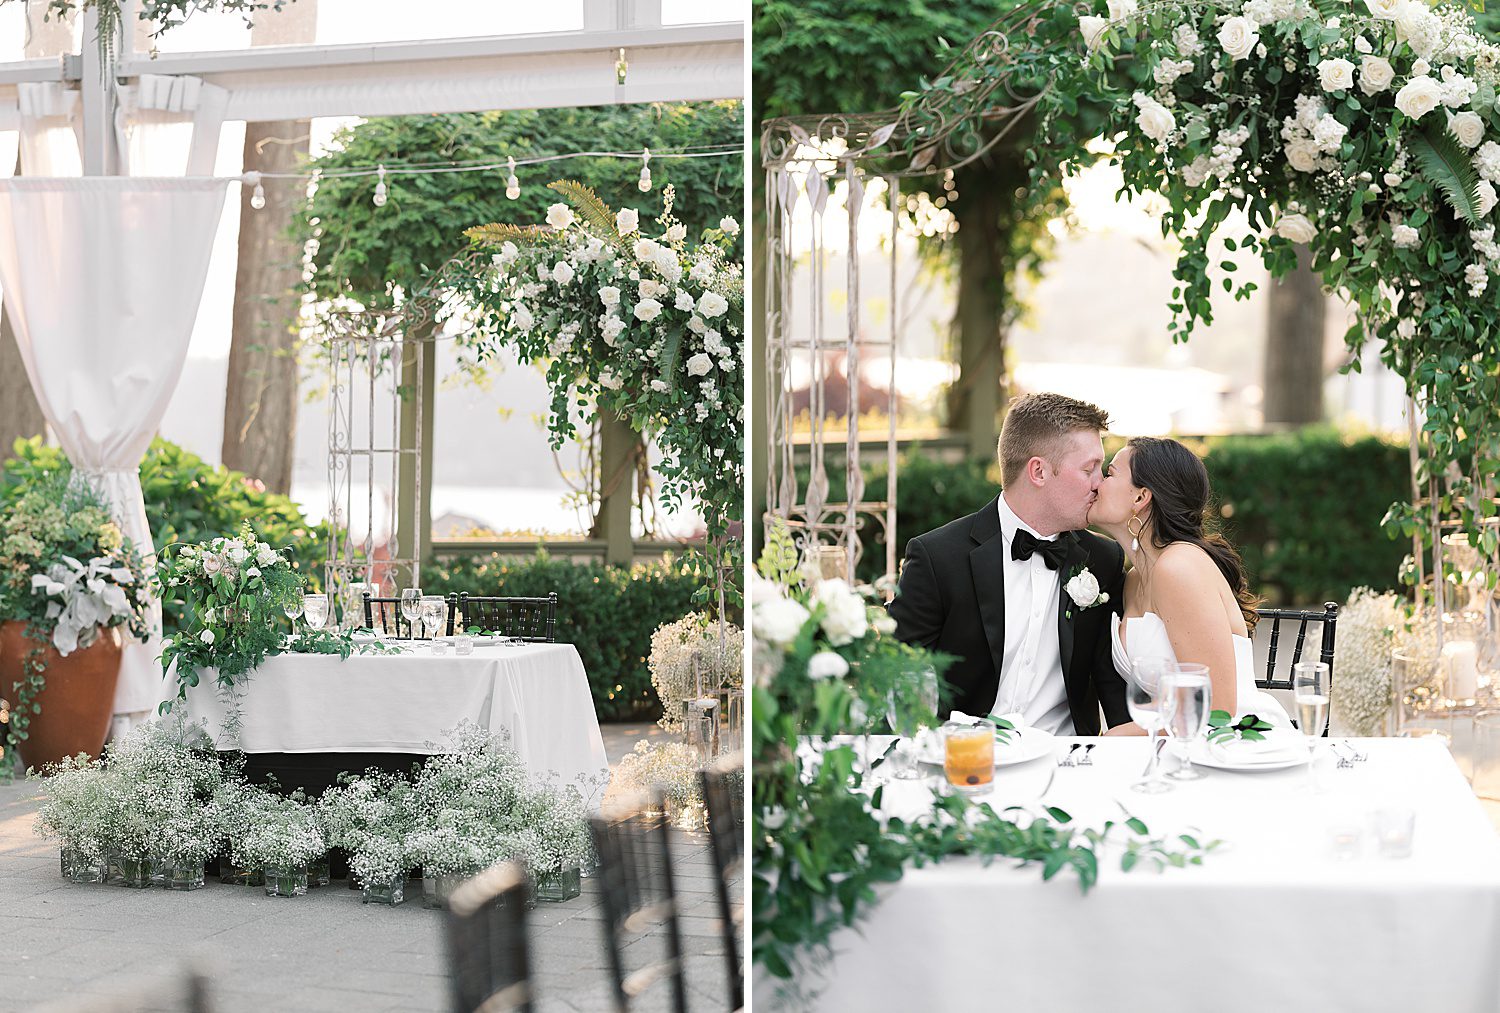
x,y
1024,545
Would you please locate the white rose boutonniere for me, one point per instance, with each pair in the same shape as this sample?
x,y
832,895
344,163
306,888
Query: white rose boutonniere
x,y
1083,588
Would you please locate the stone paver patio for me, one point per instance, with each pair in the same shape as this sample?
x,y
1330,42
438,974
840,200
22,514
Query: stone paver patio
x,y
71,946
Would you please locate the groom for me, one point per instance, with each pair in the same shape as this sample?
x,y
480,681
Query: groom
x,y
1006,589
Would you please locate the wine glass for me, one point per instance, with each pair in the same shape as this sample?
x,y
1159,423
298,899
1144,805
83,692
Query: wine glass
x,y
1145,709
1310,693
432,616
1185,696
293,609
315,607
906,721
411,608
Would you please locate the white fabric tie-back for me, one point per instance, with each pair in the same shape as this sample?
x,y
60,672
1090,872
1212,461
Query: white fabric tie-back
x,y
159,107
102,277
50,124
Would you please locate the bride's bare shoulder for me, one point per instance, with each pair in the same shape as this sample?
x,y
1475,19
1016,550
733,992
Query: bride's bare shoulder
x,y
1186,563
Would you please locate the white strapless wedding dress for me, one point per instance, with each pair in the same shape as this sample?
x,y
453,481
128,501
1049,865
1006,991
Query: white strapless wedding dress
x,y
1147,638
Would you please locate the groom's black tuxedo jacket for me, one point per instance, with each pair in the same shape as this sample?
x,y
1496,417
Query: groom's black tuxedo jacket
x,y
952,599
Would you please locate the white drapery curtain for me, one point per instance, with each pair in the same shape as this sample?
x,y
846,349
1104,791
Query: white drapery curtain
x,y
102,277
169,125
49,120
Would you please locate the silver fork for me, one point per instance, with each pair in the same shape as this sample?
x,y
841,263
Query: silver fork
x,y
1067,759
1085,760
1345,762
1359,756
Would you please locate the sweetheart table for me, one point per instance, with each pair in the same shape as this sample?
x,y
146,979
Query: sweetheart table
x,y
399,705
1274,920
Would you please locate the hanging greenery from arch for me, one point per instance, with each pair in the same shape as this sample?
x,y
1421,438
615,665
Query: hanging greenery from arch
x,y
1366,131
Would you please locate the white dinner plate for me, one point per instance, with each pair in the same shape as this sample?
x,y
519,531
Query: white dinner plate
x,y
1025,745
1207,755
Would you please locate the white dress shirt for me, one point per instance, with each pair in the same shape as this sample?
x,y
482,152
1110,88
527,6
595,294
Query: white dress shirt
x,y
1031,679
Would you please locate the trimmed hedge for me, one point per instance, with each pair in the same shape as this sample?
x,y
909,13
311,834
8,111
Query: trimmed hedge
x,y
1304,508
607,612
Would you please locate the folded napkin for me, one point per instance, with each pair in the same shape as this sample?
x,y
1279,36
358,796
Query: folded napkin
x,y
1276,747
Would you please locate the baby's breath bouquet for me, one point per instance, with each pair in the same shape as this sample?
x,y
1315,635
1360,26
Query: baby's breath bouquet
x,y
672,769
688,659
1369,625
370,815
275,832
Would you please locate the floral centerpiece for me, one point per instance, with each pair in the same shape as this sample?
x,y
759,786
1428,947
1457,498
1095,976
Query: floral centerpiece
x,y
688,659
236,591
646,327
68,574
278,834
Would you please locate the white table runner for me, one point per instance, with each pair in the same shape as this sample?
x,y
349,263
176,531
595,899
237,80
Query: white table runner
x,y
404,703
1273,922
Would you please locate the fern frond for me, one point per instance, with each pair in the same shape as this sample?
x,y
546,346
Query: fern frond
x,y
590,208
1446,165
496,233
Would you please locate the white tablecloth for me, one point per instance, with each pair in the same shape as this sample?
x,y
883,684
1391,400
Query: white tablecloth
x,y
404,703
1274,922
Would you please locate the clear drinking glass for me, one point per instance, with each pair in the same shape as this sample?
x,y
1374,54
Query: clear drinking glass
x,y
432,615
293,610
969,758
411,608
920,713
315,607
1185,696
1310,690
1142,697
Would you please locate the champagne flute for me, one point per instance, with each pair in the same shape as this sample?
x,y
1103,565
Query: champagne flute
x,y
1185,708
411,608
315,607
1141,696
908,720
1310,691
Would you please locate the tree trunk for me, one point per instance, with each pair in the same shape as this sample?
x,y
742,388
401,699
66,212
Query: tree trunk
x,y
985,211
20,416
260,398
1294,347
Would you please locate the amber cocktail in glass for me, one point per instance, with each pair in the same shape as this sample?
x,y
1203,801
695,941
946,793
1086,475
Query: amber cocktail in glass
x,y
969,758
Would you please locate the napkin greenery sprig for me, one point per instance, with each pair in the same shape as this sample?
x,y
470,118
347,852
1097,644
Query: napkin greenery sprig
x,y
1223,728
340,642
1003,729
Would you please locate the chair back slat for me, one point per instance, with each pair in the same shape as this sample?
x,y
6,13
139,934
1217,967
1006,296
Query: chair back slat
x,y
489,956
530,619
726,838
1328,620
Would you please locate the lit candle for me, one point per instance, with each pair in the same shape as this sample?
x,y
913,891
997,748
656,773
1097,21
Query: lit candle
x,y
1461,660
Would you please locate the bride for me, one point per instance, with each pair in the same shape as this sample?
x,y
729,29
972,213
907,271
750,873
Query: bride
x,y
1185,596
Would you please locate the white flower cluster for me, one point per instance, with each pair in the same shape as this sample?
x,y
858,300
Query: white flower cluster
x,y
1155,120
670,768
1362,694
1313,136
89,598
228,556
275,831
688,660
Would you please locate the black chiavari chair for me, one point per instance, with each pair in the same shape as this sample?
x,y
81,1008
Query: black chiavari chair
x,y
489,957
1326,619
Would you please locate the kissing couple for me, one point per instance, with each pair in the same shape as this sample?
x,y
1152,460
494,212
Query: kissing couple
x,y
1045,616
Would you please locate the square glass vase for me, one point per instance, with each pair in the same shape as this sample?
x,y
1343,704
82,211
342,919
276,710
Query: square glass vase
x,y
181,875
235,875
78,867
392,891
286,881
437,889
318,872
132,872
558,886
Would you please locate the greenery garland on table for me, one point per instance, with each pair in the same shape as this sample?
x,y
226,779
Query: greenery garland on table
x,y
649,328
1367,132
826,663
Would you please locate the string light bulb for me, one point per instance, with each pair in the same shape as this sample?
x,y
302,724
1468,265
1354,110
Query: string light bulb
x,y
258,192
512,185
645,183
381,193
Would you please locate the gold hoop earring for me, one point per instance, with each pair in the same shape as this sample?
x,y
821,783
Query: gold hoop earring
x,y
1135,532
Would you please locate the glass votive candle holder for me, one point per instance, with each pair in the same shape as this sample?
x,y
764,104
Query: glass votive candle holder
x,y
969,758
439,648
1395,826
1346,839
463,644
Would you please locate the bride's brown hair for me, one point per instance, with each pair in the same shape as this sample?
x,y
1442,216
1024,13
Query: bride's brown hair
x,y
1179,509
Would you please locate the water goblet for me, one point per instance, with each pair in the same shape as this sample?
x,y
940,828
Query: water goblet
x,y
1310,693
293,610
914,713
1142,697
315,609
411,608
1185,696
432,616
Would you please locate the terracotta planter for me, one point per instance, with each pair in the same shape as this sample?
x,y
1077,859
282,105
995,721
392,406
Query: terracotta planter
x,y
77,701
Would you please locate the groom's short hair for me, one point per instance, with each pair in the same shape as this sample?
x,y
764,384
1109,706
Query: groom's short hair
x,y
1036,425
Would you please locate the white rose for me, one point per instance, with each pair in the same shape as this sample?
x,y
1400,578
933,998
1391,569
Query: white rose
x,y
883,624
1296,228
609,295
1336,75
207,636
563,272
779,620
1418,97
212,564
827,665
1329,134
1093,28
252,572
646,249
1302,155
676,234
1155,120
1385,10
647,309
1419,27
729,226
1404,237
237,553
699,364
1487,198
1467,127
1083,589
559,216
844,618
627,220
1375,74
684,301
712,304
611,330
1119,10
1238,37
